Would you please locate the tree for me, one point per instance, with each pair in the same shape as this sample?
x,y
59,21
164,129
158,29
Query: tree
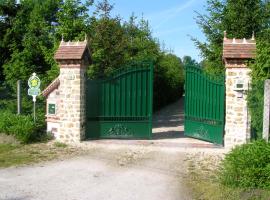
x,y
72,23
30,39
73,20
168,80
8,11
141,44
107,42
188,61
239,18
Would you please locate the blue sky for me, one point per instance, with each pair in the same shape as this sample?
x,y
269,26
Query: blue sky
x,y
171,21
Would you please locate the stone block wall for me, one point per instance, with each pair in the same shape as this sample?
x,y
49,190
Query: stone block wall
x,y
72,104
237,123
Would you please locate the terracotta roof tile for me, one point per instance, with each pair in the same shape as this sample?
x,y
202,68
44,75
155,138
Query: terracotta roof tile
x,y
55,84
70,51
239,48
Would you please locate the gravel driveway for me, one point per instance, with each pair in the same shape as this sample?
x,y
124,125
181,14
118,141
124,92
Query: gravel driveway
x,y
104,173
99,175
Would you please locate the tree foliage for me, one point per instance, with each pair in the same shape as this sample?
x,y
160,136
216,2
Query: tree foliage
x,y
239,18
31,31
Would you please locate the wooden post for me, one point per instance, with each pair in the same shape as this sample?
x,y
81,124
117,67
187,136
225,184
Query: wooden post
x,y
266,112
19,97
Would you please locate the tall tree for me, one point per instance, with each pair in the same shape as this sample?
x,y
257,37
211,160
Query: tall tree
x,y
108,41
239,18
30,40
141,44
73,19
8,11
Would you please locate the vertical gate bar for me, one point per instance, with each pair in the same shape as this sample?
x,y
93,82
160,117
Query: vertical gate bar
x,y
200,93
100,91
120,96
205,97
134,99
196,95
224,100
131,94
139,93
193,94
110,97
147,90
215,101
124,96
117,102
136,93
142,77
151,79
189,86
186,94
107,85
210,100
219,101
113,97
144,93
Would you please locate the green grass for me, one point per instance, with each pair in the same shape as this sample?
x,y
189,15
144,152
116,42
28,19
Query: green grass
x,y
18,154
60,145
205,185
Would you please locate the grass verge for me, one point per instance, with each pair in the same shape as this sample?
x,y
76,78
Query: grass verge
x,y
204,182
18,154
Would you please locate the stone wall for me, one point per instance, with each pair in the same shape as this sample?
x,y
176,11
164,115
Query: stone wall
x,y
53,119
237,123
72,104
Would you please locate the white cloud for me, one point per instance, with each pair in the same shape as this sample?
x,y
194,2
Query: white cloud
x,y
165,15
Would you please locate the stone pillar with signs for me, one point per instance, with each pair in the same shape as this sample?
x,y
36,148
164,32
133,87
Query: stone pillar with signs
x,y
236,53
66,94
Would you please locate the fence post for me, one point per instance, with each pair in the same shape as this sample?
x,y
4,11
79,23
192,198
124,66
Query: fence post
x,y
266,111
19,97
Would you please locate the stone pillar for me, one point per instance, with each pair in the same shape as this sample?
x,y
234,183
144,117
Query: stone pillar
x,y
236,53
73,58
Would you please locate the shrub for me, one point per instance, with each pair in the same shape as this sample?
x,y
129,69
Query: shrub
x,y
255,105
247,166
21,126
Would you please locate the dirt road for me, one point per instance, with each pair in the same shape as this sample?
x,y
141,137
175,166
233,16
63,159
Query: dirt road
x,y
99,175
132,172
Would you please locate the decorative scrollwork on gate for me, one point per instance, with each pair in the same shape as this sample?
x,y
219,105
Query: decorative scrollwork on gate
x,y
120,130
201,132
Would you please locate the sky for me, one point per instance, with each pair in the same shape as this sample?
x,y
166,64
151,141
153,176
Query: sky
x,y
171,21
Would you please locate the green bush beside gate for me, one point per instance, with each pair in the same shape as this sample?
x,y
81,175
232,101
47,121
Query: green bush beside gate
x,y
22,127
247,166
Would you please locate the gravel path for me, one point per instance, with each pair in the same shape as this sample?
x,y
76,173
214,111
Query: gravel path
x,y
106,173
102,175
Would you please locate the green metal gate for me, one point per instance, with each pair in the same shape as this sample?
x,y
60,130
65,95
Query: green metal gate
x,y
204,105
120,106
